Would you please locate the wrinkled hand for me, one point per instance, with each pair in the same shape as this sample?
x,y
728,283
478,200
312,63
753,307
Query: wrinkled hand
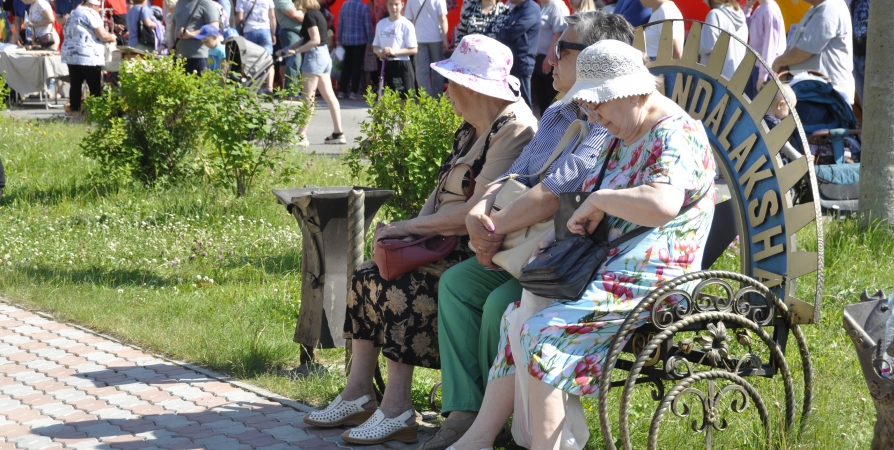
x,y
586,218
394,230
481,236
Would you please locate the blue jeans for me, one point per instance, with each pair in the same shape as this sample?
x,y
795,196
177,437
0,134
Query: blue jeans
x,y
287,37
261,37
429,80
860,76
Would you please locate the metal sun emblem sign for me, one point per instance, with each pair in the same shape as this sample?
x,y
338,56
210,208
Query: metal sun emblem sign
x,y
747,154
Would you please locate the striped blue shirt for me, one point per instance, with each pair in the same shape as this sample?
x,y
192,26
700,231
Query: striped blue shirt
x,y
354,24
568,171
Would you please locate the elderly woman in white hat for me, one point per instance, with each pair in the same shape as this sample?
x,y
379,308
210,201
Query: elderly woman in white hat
x,y
658,173
399,316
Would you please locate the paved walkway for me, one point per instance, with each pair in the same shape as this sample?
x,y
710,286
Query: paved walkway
x,y
64,387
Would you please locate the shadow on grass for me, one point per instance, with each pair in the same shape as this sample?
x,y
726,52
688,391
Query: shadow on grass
x,y
54,195
95,276
288,263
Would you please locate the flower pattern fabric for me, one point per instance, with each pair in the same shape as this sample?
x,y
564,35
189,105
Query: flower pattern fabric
x,y
565,344
473,20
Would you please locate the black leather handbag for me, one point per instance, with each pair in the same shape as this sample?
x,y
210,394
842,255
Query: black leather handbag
x,y
566,268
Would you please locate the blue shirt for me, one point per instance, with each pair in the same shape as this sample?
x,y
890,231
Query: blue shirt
x,y
520,35
64,7
133,18
570,169
633,11
354,24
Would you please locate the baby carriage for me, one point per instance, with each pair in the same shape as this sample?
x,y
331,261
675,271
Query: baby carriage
x,y
834,139
248,62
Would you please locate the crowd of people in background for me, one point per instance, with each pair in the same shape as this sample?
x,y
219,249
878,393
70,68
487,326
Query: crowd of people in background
x,y
399,46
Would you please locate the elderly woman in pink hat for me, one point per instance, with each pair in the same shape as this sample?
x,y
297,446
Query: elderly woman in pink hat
x,y
399,316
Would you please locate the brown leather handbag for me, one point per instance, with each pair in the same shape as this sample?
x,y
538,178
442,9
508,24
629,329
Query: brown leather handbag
x,y
395,257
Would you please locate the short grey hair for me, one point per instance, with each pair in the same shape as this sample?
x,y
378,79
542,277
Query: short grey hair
x,y
593,26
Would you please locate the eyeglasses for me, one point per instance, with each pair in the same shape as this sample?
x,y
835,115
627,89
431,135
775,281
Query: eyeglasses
x,y
588,107
562,45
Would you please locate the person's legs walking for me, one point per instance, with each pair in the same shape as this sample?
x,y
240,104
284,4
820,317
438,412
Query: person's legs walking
x,y
351,69
436,53
75,91
357,68
423,68
93,78
292,63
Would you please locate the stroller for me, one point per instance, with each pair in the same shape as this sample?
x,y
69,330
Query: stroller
x,y
834,138
248,62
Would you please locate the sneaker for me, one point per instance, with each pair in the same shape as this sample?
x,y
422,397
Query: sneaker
x,y
336,138
340,94
302,141
353,96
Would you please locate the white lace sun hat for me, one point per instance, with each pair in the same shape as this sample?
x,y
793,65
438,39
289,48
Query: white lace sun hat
x,y
481,64
608,70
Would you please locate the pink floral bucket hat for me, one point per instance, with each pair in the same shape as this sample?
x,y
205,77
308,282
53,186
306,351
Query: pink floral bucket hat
x,y
481,64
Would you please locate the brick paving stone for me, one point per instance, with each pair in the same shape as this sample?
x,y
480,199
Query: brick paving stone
x,y
172,420
12,369
26,415
60,372
89,368
89,444
6,381
33,442
37,398
10,404
132,387
184,391
196,432
71,361
44,425
266,424
69,395
62,343
17,390
289,417
30,377
90,405
114,413
102,392
99,357
53,326
278,446
289,434
78,417
146,409
211,402
55,409
240,396
228,427
218,442
14,431
123,400
128,353
22,357
140,373
49,385
317,443
78,381
99,429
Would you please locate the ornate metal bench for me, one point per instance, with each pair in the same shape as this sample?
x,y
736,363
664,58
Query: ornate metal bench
x,y
711,334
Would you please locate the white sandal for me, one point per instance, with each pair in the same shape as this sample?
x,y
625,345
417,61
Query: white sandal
x,y
340,412
380,429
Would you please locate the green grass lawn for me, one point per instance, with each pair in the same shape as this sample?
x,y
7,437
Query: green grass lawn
x,y
199,275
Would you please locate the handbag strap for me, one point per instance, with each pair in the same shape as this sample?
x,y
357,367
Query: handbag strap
x,y
244,19
574,133
177,32
416,16
639,230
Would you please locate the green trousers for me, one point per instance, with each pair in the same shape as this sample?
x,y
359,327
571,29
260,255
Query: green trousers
x,y
471,303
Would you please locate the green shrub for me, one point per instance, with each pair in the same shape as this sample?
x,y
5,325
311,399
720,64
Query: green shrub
x,y
405,143
245,135
146,127
4,92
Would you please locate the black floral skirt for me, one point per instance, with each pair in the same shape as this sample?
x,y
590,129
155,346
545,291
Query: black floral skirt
x,y
401,315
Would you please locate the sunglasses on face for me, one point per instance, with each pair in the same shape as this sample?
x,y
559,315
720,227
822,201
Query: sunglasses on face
x,y
565,45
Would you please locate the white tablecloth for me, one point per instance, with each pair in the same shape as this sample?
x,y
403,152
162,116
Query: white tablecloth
x,y
27,72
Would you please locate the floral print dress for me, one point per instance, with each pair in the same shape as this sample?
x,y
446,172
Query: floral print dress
x,y
565,344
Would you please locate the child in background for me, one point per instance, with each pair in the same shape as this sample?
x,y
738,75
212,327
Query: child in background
x,y
210,36
663,10
394,42
779,109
